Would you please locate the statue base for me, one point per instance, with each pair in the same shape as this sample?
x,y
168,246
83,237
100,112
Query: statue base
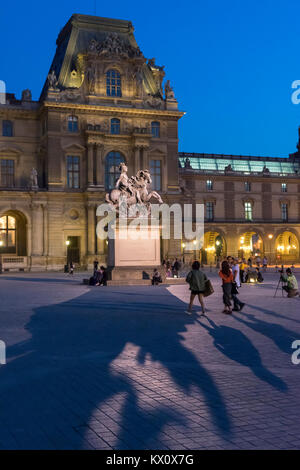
x,y
133,255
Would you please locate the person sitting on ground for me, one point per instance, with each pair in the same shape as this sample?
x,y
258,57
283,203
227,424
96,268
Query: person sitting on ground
x,y
103,278
156,278
259,275
196,279
292,285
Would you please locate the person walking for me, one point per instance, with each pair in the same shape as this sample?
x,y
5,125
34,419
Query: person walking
x,y
238,305
196,279
265,263
175,268
242,270
227,278
71,268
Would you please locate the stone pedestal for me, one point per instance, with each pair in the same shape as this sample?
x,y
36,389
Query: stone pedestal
x,y
133,255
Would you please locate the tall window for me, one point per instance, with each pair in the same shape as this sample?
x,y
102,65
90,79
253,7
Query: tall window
x,y
7,128
209,185
7,173
210,211
247,186
113,83
155,129
73,124
248,210
155,171
112,172
115,126
73,172
283,187
8,234
284,212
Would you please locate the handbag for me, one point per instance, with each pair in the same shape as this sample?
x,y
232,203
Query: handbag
x,y
208,288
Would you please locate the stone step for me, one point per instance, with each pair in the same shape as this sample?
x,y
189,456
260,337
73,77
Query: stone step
x,y
129,282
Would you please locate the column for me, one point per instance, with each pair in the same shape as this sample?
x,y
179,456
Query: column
x,y
37,230
90,164
46,235
100,166
91,228
136,159
145,164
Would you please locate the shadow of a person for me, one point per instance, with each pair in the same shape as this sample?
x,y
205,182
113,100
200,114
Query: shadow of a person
x,y
280,335
237,347
60,379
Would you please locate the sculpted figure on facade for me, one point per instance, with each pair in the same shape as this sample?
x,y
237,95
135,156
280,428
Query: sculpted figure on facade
x,y
52,80
169,93
134,189
114,45
34,178
90,76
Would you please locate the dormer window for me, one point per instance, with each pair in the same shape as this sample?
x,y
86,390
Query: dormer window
x,y
115,126
113,83
73,124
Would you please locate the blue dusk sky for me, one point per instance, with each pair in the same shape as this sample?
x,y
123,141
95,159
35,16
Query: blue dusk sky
x,y
231,63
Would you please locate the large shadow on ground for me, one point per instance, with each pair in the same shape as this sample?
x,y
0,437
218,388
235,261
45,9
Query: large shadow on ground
x,y
64,376
234,344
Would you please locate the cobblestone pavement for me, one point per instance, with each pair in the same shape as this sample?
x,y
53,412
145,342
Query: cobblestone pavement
x,y
127,368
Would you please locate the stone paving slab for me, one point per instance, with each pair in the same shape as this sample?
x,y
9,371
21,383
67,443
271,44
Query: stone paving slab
x,y
126,368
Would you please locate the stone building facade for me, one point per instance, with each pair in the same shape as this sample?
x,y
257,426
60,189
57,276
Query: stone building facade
x,y
103,103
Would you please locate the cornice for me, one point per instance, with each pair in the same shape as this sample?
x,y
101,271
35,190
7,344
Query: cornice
x,y
109,110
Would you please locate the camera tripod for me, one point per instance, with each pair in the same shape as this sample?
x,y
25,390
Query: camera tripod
x,y
282,283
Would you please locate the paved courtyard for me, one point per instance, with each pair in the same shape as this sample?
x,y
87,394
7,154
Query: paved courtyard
x,y
126,368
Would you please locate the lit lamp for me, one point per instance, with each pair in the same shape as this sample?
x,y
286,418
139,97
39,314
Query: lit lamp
x,y
270,236
68,242
1,243
183,247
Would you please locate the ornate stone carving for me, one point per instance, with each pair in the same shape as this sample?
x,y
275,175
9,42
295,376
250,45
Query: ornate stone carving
x,y
114,45
153,101
34,179
134,189
52,80
169,93
26,95
90,77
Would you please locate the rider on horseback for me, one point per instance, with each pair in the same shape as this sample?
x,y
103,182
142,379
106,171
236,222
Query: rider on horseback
x,y
124,184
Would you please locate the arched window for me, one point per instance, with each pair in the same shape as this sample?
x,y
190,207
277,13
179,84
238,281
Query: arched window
x,y
7,234
72,123
112,172
155,129
115,126
7,128
113,83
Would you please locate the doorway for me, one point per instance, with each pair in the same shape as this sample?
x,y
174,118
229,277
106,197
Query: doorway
x,y
73,250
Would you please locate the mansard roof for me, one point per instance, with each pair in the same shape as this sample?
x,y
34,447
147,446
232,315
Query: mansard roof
x,y
238,164
84,33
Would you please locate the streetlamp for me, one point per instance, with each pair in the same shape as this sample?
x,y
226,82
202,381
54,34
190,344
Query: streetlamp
x,y
270,237
183,247
195,243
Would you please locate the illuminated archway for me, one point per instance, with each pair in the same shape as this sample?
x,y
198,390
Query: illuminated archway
x,y
214,247
13,233
287,247
250,244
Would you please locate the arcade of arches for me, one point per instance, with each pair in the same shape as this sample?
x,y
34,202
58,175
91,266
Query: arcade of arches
x,y
282,247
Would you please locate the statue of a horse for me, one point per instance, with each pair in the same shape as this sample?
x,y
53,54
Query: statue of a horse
x,y
138,183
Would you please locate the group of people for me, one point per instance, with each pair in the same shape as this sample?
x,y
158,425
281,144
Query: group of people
x,y
172,268
99,277
230,275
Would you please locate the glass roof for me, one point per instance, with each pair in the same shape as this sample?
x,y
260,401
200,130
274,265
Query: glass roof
x,y
240,165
